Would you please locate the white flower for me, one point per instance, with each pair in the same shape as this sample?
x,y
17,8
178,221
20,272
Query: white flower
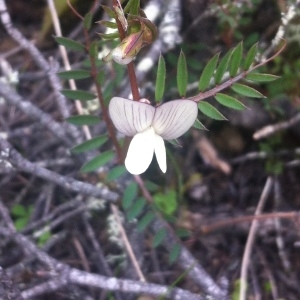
x,y
149,126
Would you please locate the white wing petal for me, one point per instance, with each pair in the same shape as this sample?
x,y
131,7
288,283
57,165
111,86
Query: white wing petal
x,y
160,153
174,118
130,117
140,152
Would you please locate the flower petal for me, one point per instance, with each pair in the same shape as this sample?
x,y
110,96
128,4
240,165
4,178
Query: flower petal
x,y
174,118
130,117
160,153
140,152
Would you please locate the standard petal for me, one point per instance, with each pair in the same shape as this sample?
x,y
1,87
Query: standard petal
x,y
174,118
140,152
130,117
160,153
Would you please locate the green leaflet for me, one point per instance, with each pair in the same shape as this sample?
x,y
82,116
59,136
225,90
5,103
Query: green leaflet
x,y
210,111
109,11
98,161
166,202
222,67
229,101
87,21
145,221
160,79
182,74
174,253
109,36
70,44
159,237
115,173
83,120
91,144
250,57
136,208
74,74
129,195
208,72
78,95
260,77
246,91
199,125
236,58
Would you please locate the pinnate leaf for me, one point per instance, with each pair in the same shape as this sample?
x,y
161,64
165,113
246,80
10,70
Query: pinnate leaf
x,y
160,79
246,91
78,95
236,59
207,73
210,111
74,74
70,44
229,101
182,75
91,144
83,120
250,57
98,161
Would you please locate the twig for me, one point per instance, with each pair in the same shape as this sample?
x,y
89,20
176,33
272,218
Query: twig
x,y
12,97
274,128
63,275
251,237
9,154
243,219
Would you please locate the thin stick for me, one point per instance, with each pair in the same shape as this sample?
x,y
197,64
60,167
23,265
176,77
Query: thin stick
x,y
127,244
251,237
